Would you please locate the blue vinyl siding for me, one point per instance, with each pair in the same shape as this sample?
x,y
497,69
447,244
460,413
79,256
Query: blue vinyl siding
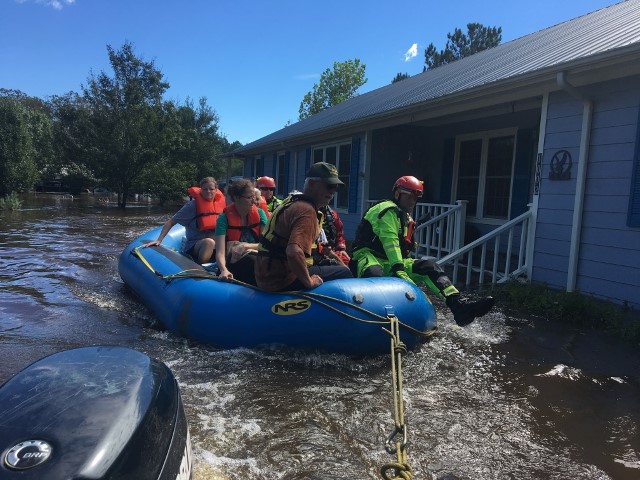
x,y
609,252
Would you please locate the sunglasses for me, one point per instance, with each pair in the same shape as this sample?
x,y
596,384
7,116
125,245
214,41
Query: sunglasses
x,y
414,193
267,188
331,186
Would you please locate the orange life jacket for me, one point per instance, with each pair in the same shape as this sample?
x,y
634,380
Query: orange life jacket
x,y
264,207
234,223
207,211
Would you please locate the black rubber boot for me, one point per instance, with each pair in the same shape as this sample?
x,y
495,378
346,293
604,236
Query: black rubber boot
x,y
465,312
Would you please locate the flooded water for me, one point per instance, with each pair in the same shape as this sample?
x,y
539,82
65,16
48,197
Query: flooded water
x,y
506,398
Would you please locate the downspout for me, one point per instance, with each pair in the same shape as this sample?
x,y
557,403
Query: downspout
x,y
533,206
581,178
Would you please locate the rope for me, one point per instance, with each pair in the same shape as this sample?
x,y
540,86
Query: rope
x,y
317,298
400,468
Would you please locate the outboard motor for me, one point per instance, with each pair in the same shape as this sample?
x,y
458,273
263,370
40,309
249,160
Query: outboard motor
x,y
101,412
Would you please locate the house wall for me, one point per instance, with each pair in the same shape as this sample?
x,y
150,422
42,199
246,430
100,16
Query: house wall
x,y
609,253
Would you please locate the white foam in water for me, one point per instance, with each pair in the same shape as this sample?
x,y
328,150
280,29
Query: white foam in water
x,y
563,371
635,464
225,464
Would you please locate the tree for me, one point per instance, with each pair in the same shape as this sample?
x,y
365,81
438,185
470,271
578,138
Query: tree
x,y
335,86
25,141
17,165
126,113
73,140
400,76
459,45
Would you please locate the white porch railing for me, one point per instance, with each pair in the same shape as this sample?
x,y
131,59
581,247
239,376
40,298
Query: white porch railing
x,y
501,254
440,229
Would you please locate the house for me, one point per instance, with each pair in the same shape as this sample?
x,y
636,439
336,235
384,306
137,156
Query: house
x,y
546,125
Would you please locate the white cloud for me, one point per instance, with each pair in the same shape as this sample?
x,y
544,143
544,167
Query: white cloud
x,y
412,52
57,4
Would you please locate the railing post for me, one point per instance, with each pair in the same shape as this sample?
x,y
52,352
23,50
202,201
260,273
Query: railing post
x,y
531,236
460,222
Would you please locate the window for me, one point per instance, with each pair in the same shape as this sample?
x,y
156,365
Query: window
x,y
340,156
258,166
484,166
281,181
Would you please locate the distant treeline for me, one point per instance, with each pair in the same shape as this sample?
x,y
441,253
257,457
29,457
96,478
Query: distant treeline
x,y
118,133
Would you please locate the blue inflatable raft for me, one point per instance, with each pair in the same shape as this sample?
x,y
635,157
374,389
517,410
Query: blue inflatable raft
x,y
351,316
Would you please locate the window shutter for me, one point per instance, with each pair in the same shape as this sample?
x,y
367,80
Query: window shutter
x,y
259,167
447,170
353,174
307,161
287,157
525,143
634,194
274,165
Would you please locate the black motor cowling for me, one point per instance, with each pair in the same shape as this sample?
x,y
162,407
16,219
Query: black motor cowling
x,y
94,413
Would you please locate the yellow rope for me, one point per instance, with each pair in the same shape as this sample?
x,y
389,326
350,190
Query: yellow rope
x,y
400,468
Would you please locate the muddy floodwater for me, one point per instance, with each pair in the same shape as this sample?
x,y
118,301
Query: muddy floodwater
x,y
508,397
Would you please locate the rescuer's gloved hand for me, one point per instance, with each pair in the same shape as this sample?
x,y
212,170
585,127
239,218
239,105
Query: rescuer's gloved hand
x,y
398,271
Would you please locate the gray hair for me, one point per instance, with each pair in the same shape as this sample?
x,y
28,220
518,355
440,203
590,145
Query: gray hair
x,y
306,181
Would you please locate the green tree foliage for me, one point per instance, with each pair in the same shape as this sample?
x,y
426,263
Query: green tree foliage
x,y
73,138
335,86
201,143
460,45
399,77
126,113
18,151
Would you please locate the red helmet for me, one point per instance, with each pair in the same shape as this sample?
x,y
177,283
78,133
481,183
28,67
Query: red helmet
x,y
409,184
266,182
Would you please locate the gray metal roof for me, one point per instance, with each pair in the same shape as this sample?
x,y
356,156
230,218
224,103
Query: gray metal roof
x,y
596,33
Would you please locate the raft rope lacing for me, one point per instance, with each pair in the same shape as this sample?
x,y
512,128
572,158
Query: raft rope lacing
x,y
396,442
317,298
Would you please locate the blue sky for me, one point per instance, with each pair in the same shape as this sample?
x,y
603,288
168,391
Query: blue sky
x,y
253,60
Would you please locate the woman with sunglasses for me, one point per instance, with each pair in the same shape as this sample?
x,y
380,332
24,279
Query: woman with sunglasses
x,y
267,187
384,242
237,233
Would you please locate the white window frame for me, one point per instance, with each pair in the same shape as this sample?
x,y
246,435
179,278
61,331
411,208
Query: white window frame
x,y
485,136
337,144
256,160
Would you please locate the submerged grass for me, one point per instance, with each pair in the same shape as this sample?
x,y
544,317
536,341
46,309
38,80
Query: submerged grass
x,y
11,202
570,307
